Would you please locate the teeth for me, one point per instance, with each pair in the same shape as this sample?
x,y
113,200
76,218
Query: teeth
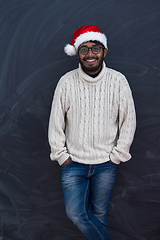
x,y
92,60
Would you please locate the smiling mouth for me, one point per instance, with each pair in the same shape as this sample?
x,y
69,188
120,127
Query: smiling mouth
x,y
90,60
93,60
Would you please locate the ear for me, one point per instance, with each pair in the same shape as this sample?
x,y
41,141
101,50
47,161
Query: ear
x,y
105,52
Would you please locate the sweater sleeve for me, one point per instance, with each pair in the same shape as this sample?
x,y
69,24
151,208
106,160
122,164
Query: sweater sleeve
x,y
127,125
56,131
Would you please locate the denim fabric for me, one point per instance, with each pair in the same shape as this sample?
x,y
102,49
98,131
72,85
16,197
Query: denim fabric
x,y
87,192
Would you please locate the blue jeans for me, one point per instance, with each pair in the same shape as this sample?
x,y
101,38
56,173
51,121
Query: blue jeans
x,y
87,192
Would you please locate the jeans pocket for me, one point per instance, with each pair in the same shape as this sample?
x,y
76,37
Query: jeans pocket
x,y
66,165
113,163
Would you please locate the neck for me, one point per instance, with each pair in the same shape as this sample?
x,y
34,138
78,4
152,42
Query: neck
x,y
93,74
89,78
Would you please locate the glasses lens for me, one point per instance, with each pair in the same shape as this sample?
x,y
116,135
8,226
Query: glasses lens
x,y
96,49
83,50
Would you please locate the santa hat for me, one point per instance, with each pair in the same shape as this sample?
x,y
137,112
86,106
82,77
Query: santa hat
x,y
85,34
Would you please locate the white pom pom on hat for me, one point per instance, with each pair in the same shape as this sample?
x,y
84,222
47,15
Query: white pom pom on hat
x,y
85,34
70,50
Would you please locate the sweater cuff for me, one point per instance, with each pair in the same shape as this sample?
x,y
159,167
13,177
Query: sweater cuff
x,y
63,158
114,159
118,157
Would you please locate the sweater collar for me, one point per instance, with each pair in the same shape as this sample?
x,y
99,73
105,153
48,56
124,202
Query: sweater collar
x,y
90,79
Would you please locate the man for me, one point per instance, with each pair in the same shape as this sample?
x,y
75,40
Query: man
x,y
91,128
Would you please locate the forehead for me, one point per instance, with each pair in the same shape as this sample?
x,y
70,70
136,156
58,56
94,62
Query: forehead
x,y
90,44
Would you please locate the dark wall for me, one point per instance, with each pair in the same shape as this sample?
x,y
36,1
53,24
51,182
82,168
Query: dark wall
x,y
32,36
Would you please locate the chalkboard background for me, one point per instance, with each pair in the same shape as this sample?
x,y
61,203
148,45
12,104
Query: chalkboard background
x,y
32,36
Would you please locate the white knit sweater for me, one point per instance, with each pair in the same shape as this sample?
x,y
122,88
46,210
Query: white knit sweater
x,y
92,119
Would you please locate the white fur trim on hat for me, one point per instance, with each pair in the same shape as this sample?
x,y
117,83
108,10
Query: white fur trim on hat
x,y
70,50
91,36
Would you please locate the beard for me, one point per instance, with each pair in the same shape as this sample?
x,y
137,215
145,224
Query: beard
x,y
91,69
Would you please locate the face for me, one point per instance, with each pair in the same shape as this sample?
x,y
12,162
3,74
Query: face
x,y
91,63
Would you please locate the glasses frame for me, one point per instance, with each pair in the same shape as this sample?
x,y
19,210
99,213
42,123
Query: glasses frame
x,y
91,49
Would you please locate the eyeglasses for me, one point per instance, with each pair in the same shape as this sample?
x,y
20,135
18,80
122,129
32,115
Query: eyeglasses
x,y
95,49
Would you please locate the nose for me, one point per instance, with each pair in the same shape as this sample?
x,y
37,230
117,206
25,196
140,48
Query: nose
x,y
90,53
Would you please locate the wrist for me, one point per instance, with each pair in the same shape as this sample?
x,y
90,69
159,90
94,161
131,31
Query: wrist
x,y
67,161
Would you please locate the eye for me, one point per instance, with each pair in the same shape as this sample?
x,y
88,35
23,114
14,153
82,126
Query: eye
x,y
84,50
96,49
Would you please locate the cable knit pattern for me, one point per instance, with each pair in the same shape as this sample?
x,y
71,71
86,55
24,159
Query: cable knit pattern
x,y
92,119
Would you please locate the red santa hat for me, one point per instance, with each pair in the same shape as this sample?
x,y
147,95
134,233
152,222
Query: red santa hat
x,y
85,34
